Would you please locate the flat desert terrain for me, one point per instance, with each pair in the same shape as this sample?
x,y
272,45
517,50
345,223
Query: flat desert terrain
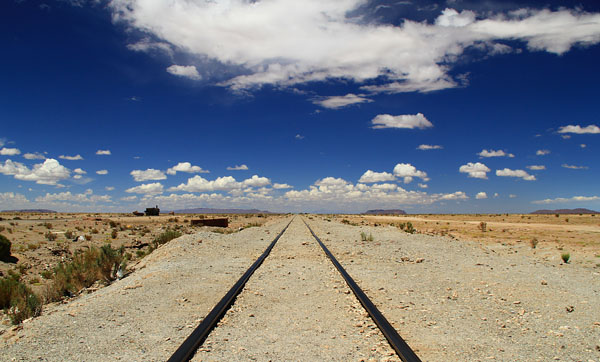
x,y
453,291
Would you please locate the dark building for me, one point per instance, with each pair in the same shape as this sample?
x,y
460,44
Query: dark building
x,y
153,211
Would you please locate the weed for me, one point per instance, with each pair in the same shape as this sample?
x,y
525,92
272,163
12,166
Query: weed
x,y
88,237
410,228
140,253
482,226
48,225
533,243
168,235
94,231
114,234
565,257
33,246
2,228
85,269
364,237
69,234
112,224
50,236
46,274
346,221
17,299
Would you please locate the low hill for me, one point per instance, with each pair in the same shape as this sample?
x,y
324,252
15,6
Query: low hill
x,y
202,210
566,211
385,212
41,211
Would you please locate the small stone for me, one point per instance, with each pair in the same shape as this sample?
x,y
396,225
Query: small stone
x,y
544,282
570,309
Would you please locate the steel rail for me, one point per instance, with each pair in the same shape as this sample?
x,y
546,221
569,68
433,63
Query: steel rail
x,y
195,340
403,350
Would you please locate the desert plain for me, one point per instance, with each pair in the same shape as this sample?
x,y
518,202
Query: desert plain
x,y
458,287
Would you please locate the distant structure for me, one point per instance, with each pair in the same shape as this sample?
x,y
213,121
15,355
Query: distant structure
x,y
153,211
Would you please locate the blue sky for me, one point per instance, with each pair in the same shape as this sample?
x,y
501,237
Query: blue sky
x,y
328,106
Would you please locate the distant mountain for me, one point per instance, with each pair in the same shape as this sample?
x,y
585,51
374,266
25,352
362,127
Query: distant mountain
x,y
566,211
41,211
385,212
220,211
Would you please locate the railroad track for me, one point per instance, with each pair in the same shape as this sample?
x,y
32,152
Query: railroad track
x,y
188,348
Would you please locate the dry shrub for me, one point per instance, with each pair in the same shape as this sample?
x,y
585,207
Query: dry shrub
x,y
18,300
87,267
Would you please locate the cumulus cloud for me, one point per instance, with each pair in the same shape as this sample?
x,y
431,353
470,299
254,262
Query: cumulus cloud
x,y
187,71
570,199
573,167
79,171
109,188
185,167
542,152
278,186
423,186
494,153
34,156
475,170
278,43
103,152
87,196
11,200
429,147
506,172
128,198
536,167
256,181
458,195
408,171
579,130
238,167
9,151
371,176
102,172
481,195
299,137
71,158
47,173
402,121
227,183
335,102
146,189
146,175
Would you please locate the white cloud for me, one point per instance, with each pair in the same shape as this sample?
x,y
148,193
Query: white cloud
x,y
187,71
277,186
11,200
128,198
71,158
102,172
335,102
402,121
237,168
536,167
109,188
494,153
34,156
573,167
481,195
87,196
458,195
512,196
147,45
47,173
571,199
408,171
583,145
184,167
565,137
299,137
200,184
146,175
281,43
256,181
542,152
496,194
429,147
103,152
506,172
9,151
579,130
475,170
79,171
371,176
146,189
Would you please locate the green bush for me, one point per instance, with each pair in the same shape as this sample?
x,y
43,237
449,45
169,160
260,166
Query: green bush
x,y
409,228
5,245
18,300
566,257
167,236
85,269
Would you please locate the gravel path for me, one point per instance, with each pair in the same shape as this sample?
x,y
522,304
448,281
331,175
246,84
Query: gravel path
x,y
463,301
296,307
147,315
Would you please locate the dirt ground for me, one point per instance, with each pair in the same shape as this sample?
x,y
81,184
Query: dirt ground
x,y
42,240
574,234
